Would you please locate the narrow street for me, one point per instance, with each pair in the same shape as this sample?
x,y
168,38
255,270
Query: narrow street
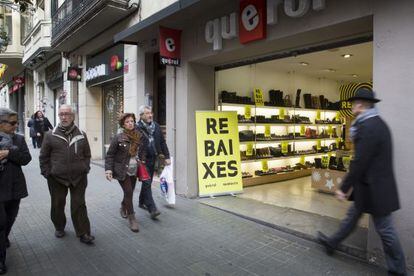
x,y
191,239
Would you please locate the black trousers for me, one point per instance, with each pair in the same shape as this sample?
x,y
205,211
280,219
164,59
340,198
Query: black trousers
x,y
145,196
394,255
78,211
34,142
39,140
8,214
128,187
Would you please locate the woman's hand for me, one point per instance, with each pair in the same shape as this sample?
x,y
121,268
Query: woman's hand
x,y
108,175
38,134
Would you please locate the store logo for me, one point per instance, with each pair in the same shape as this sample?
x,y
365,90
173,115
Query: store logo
x,y
252,21
347,91
116,64
95,72
254,16
170,46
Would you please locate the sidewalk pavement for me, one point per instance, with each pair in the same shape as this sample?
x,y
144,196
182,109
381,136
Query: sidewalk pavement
x,y
192,239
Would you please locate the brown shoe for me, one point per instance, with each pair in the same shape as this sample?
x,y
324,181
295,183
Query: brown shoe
x,y
87,239
60,233
133,223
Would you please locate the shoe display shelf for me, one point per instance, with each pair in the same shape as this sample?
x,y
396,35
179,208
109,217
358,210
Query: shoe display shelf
x,y
303,135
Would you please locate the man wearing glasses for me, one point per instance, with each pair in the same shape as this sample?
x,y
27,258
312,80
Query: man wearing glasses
x,y
65,163
13,154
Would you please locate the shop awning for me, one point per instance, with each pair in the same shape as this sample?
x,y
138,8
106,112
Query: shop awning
x,y
175,15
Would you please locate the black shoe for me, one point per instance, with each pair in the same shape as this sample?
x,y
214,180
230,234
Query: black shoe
x,y
60,233
3,268
87,239
7,243
155,213
324,240
142,206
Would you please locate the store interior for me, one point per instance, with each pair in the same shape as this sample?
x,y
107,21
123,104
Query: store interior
x,y
294,145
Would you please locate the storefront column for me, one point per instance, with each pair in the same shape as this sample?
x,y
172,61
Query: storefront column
x,y
90,112
393,70
134,78
194,91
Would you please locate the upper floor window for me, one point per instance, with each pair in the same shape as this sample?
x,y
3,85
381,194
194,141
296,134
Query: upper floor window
x,y
6,22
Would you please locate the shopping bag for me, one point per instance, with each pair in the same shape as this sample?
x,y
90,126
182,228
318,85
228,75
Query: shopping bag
x,y
142,173
167,184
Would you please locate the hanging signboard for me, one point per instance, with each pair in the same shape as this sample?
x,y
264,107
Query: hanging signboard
x,y
218,154
74,74
170,46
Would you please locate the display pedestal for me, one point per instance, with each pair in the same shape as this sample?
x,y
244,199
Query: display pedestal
x,y
266,179
327,181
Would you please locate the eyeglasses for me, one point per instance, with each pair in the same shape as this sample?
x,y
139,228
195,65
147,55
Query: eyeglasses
x,y
12,123
65,114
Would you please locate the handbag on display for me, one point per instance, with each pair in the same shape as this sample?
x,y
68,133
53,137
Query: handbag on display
x,y
142,173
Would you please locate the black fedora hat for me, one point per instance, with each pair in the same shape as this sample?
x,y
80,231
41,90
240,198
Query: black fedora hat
x,y
364,94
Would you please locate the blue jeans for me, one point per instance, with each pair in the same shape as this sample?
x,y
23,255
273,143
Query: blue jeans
x,y
145,196
394,255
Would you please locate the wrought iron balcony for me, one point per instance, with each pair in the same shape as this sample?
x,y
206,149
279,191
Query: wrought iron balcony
x,y
87,18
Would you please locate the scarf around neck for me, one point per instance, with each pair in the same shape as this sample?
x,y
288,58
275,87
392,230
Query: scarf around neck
x,y
369,113
67,130
134,138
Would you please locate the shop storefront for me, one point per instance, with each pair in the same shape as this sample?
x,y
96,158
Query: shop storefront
x,y
52,98
300,45
16,98
105,71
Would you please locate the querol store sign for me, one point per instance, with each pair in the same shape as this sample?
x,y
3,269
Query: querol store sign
x,y
254,16
218,153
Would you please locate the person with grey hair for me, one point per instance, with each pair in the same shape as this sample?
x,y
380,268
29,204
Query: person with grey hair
x,y
12,181
156,153
65,163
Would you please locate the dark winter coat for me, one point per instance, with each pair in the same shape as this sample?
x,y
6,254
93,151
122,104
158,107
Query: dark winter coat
x,y
41,126
371,173
160,145
12,180
118,157
30,125
68,161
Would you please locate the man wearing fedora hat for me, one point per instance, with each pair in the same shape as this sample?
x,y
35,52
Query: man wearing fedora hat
x,y
370,181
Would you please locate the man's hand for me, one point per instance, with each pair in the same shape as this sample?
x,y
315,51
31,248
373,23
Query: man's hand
x,y
38,134
340,195
108,175
167,162
4,154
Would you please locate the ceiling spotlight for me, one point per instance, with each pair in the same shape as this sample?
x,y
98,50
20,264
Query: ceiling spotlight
x,y
329,70
304,63
354,75
347,55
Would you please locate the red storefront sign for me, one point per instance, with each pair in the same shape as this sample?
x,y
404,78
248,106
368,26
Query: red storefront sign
x,y
74,74
18,82
170,46
252,21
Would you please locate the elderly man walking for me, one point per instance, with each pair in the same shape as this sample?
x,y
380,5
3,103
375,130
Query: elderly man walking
x,y
65,163
371,179
13,155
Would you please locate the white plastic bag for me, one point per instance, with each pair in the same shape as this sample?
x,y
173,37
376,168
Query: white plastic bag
x,y
167,184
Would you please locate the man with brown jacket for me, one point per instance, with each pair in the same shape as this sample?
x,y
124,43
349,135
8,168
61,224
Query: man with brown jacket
x,y
65,162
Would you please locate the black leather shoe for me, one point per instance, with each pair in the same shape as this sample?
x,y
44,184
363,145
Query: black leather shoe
x,y
324,240
3,268
142,206
60,233
7,243
87,239
154,214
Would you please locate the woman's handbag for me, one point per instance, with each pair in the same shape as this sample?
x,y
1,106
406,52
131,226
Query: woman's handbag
x,y
142,173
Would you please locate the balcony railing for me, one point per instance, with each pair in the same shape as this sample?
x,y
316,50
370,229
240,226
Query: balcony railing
x,y
69,11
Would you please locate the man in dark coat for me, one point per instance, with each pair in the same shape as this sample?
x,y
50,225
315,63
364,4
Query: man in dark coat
x,y
371,180
12,181
65,163
157,151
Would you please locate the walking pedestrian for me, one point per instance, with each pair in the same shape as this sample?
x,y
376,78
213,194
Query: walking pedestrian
x,y
32,132
371,179
41,125
13,154
156,154
125,153
65,163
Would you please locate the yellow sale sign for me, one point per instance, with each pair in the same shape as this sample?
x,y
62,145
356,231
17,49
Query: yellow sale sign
x,y
218,153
